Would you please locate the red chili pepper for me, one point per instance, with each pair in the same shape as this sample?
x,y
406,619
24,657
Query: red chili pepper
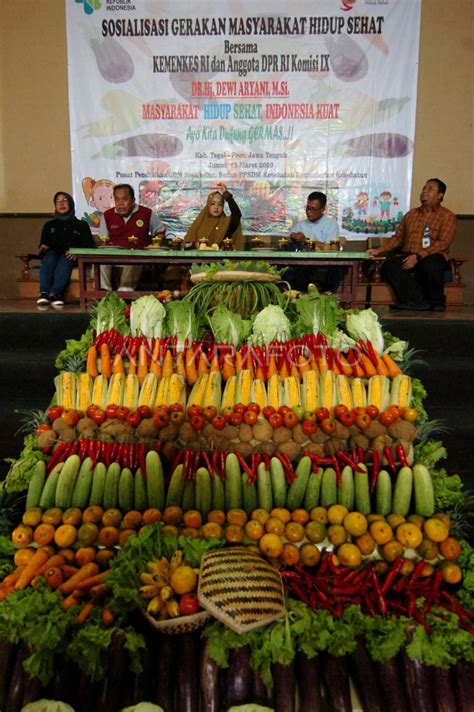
x,y
344,457
337,469
92,451
355,455
369,604
411,603
124,454
389,457
299,592
379,599
246,468
186,458
208,463
222,459
330,358
416,573
57,456
345,590
106,453
287,467
141,455
375,470
83,448
437,579
324,565
267,460
392,574
371,353
215,462
401,454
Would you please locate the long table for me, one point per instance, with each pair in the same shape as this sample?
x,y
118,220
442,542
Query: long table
x,y
114,256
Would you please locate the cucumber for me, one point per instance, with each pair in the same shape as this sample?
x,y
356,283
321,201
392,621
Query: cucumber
x,y
82,488
140,493
297,489
66,482
98,484
264,488
313,489
402,491
188,500
424,493
126,490
249,494
346,494
278,480
111,489
203,492
217,491
232,483
48,495
36,484
329,487
383,493
155,483
362,491
175,488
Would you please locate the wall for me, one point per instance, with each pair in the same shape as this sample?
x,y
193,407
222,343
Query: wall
x,y
34,139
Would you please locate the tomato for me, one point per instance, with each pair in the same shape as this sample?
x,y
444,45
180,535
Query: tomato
x,y
219,422
339,410
240,408
122,412
363,421
55,411
80,414
290,419
134,418
372,411
250,417
386,417
309,415
42,427
176,408
227,411
299,410
254,407
188,604
98,416
176,417
396,411
309,426
276,420
410,414
284,409
268,411
328,426
197,421
322,414
70,416
160,409
358,410
347,419
90,409
160,419
209,412
144,410
194,410
111,411
236,418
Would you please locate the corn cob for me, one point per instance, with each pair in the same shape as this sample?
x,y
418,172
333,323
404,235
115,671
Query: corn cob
x,y
310,390
343,391
244,385
148,390
116,389
177,390
400,392
84,391
162,391
274,388
378,394
359,395
130,396
327,389
259,393
228,397
196,396
100,391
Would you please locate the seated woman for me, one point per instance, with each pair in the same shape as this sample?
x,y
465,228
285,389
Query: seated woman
x,y
213,224
57,263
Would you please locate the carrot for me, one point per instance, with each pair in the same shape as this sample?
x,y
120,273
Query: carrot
x,y
180,365
294,371
105,364
11,579
55,560
239,362
343,364
190,366
167,367
69,570
284,372
84,573
322,362
228,367
313,363
382,368
117,364
92,581
4,592
142,370
107,616
39,558
91,365
85,612
132,364
272,366
367,365
203,363
214,364
155,364
303,365
98,593
393,368
70,601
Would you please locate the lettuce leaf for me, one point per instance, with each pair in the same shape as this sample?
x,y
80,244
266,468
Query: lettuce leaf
x,y
318,313
365,325
227,327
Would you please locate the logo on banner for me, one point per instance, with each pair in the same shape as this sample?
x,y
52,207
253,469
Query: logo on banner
x,y
347,4
90,5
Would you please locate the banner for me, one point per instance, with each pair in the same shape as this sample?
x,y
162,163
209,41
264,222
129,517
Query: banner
x,y
274,99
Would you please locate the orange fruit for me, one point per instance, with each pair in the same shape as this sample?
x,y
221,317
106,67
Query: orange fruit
x,y
92,514
428,569
416,519
111,517
65,535
254,529
337,534
366,543
87,534
391,550
151,515
349,555
290,554
381,532
104,557
428,549
451,572
319,514
124,535
22,535
271,545
373,517
53,516
234,533
108,536
44,534
407,566
281,513
236,516
381,567
275,525
191,531
300,515
69,555
309,554
85,555
355,523
436,529
168,530
22,556
216,515
72,515
173,515
183,580
315,531
409,535
133,519
394,520
444,518
212,529
260,515
192,518
32,516
450,548
294,532
336,513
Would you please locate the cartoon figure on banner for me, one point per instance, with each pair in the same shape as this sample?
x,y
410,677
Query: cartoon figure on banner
x,y
100,195
362,203
384,201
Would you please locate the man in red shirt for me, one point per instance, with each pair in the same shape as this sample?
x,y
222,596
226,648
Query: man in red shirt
x,y
127,220
419,252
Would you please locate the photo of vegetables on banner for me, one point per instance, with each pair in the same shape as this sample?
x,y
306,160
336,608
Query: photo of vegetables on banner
x,y
227,509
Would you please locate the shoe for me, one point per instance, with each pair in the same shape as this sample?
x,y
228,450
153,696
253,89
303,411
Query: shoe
x,y
125,289
438,307
43,300
411,306
57,302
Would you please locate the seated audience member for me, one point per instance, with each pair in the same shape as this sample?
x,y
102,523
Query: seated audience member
x,y
213,224
124,221
58,235
419,250
321,229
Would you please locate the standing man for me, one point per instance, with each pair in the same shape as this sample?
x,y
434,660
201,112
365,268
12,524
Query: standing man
x,y
321,229
420,248
127,219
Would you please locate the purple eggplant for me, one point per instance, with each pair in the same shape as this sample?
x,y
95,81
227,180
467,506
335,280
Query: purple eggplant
x,y
284,687
210,682
112,690
14,700
364,674
335,674
445,698
163,682
113,61
187,679
7,661
308,677
348,61
418,684
391,682
238,677
379,145
260,692
86,692
464,686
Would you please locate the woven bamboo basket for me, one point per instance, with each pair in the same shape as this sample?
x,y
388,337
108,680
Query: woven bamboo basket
x,y
235,276
240,589
177,626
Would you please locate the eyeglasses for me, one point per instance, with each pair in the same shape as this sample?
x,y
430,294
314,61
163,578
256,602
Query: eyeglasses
x,y
61,200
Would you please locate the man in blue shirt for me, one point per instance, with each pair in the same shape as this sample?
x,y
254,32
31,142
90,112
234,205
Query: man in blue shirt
x,y
321,229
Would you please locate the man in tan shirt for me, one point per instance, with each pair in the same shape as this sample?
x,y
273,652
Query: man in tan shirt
x,y
419,250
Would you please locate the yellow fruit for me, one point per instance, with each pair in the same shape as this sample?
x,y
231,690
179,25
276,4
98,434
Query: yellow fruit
x,y
336,513
436,529
349,555
183,580
355,523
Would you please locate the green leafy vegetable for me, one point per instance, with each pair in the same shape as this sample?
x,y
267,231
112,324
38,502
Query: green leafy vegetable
x,y
318,313
445,645
147,315
365,325
181,322
110,314
227,327
448,489
270,324
74,352
20,472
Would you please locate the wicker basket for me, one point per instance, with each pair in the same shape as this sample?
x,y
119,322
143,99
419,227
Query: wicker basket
x,y
177,626
240,588
235,276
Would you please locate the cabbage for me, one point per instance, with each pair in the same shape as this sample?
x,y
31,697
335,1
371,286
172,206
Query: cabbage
x,y
340,341
270,324
146,317
181,322
251,707
318,313
47,706
143,707
365,325
227,327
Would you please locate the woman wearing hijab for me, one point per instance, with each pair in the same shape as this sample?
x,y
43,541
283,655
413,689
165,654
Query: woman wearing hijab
x,y
60,234
212,222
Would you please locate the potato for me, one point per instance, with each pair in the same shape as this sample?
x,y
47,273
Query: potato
x,y
244,448
267,448
47,438
289,448
281,435
85,424
358,440
380,442
333,445
67,434
315,449
245,433
148,429
401,430
187,433
262,430
342,431
319,437
168,433
375,428
230,432
298,435
59,425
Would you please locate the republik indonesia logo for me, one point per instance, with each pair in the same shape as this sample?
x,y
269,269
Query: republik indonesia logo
x,y
90,5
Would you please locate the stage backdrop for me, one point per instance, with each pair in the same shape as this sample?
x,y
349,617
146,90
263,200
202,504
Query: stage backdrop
x,y
172,96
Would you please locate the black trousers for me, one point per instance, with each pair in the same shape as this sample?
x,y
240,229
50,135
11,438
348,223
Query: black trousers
x,y
422,284
328,279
